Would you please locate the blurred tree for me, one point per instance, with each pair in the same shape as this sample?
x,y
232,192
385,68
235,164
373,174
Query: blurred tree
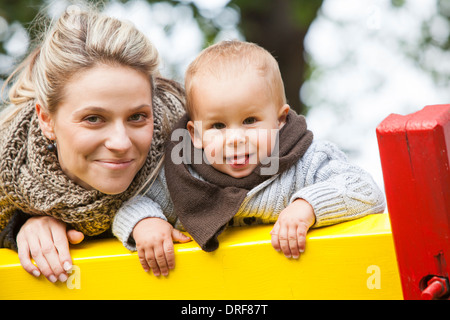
x,y
280,26
435,38
22,11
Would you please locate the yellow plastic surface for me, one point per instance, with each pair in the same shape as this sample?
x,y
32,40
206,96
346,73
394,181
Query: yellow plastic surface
x,y
352,260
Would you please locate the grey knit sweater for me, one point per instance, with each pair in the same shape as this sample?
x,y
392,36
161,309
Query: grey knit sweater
x,y
337,190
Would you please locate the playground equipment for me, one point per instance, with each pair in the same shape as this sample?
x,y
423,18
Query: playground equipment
x,y
414,152
397,255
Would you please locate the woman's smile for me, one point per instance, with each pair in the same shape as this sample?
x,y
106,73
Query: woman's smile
x,y
119,164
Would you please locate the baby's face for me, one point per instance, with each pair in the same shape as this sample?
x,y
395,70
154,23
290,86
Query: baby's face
x,y
235,121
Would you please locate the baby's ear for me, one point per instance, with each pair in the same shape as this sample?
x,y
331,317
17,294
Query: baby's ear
x,y
195,132
282,115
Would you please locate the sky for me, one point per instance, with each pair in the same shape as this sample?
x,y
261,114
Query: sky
x,y
357,48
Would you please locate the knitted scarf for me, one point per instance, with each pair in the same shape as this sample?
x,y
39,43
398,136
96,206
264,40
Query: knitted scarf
x,y
205,207
31,178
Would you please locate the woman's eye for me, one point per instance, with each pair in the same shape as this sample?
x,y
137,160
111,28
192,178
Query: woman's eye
x,y
218,125
93,119
138,117
250,120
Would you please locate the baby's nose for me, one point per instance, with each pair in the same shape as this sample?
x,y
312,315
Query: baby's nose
x,y
235,138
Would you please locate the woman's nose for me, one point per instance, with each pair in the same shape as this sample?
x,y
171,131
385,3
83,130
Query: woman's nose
x,y
118,139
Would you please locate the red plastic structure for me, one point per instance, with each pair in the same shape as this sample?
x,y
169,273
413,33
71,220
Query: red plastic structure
x,y
414,151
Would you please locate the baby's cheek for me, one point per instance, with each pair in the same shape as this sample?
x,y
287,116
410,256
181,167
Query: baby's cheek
x,y
267,143
213,153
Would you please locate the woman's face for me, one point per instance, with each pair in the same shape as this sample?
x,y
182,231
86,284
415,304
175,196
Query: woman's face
x,y
103,127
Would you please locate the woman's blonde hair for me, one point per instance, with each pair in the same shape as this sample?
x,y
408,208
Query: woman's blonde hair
x,y
80,39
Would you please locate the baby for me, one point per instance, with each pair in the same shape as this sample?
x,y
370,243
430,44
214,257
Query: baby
x,y
245,158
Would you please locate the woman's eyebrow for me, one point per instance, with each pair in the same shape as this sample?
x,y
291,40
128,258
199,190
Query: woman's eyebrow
x,y
91,109
145,105
97,109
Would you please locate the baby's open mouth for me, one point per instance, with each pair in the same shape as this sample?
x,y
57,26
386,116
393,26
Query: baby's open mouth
x,y
238,160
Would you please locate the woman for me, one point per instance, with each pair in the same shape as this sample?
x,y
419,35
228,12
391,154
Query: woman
x,y
83,131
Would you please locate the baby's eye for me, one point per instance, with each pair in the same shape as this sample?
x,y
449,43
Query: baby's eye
x,y
218,125
250,120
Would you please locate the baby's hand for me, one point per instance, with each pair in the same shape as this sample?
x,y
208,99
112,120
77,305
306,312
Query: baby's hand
x,y
289,232
153,237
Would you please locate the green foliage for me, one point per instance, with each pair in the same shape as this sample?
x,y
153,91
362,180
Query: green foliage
x,y
398,3
22,11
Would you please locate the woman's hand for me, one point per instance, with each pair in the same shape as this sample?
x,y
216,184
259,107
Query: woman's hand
x,y
46,240
154,239
289,232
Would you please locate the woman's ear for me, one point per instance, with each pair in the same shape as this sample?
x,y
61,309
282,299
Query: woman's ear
x,y
196,134
282,115
45,122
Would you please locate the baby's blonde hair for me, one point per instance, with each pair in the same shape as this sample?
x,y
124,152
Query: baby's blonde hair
x,y
80,39
230,58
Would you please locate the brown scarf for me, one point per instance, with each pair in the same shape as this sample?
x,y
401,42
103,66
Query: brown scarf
x,y
205,207
31,178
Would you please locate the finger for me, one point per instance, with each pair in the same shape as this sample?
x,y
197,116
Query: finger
x,y
293,243
143,260
301,237
51,255
284,242
74,236
61,244
151,261
301,240
24,257
178,236
40,260
274,237
160,257
29,247
169,253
